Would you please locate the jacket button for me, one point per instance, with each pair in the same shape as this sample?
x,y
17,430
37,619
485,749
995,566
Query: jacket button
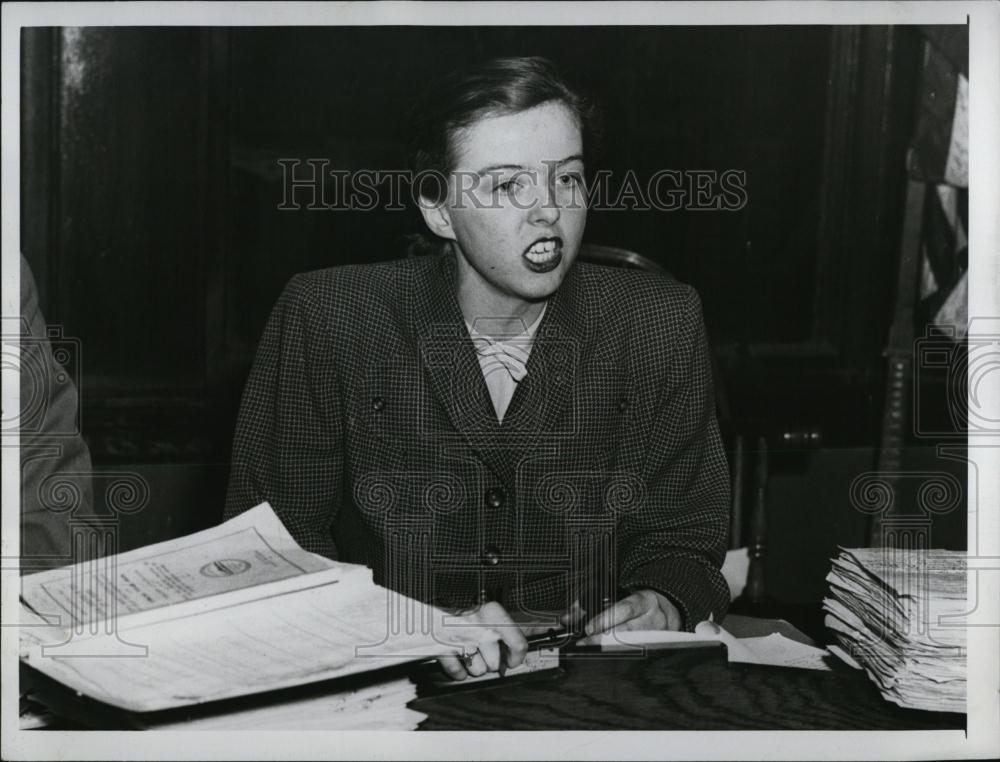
x,y
623,404
494,498
490,556
377,404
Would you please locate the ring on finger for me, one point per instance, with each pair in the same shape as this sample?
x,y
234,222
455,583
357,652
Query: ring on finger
x,y
477,665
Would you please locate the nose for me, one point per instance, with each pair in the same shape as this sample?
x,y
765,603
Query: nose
x,y
545,209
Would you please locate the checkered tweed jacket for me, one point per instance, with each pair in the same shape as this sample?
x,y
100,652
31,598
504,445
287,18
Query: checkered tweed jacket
x,y
367,424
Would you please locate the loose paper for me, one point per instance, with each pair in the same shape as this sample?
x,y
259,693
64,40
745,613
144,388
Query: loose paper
x,y
774,650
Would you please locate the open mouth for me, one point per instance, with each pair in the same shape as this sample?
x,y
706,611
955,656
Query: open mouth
x,y
544,255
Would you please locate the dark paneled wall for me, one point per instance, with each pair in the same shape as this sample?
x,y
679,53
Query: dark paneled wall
x,y
120,207
151,191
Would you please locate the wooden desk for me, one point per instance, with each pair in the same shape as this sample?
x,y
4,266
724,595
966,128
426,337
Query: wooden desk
x,y
692,689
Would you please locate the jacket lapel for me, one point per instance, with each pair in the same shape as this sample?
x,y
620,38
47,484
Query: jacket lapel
x,y
562,342
448,355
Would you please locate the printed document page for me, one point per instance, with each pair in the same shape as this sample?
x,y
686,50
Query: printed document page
x,y
212,644
341,625
252,549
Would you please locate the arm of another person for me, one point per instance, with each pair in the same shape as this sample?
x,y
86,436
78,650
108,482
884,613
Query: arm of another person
x,y
671,548
55,460
287,449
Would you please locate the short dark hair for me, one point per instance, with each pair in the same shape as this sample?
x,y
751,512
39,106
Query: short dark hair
x,y
495,87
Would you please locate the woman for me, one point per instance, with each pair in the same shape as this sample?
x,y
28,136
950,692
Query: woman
x,y
494,421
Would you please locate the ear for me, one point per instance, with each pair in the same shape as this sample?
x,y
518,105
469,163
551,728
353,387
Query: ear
x,y
437,218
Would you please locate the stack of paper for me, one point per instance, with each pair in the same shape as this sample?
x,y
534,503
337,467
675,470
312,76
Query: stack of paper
x,y
899,615
374,707
231,611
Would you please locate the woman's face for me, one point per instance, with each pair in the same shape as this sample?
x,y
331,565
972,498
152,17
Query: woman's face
x,y
515,207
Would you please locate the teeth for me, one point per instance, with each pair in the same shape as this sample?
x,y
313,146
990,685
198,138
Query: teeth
x,y
541,251
541,256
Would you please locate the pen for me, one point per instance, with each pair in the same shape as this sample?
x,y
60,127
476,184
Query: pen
x,y
552,638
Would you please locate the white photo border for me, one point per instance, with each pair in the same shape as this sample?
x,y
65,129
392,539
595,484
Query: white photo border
x,y
981,738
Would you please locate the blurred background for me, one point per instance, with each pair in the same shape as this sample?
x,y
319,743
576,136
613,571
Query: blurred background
x,y
151,187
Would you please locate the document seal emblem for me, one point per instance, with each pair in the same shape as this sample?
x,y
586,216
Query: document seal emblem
x,y
226,567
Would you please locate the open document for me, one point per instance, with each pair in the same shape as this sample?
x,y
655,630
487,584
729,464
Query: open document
x,y
232,610
252,549
773,650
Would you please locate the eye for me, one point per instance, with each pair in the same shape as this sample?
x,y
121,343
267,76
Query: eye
x,y
568,179
508,186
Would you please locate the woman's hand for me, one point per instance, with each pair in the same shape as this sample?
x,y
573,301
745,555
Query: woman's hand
x,y
497,629
642,610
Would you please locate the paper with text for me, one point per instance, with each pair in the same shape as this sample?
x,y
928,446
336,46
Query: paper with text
x,y
252,549
214,645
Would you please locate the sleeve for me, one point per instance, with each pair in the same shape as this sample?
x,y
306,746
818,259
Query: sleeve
x,y
287,449
675,542
56,472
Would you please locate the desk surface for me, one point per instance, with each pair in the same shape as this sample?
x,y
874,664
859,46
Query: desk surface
x,y
691,689
687,689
